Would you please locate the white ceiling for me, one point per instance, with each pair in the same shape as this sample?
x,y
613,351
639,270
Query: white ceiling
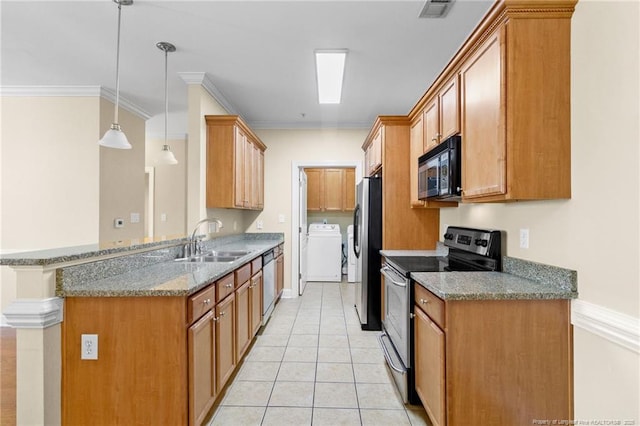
x,y
258,54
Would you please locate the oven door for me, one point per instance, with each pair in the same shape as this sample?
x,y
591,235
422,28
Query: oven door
x,y
396,310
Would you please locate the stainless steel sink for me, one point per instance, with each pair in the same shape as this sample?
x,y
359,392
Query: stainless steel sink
x,y
228,253
209,259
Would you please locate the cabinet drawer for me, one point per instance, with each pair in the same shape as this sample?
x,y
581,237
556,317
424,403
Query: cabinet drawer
x,y
430,304
243,274
256,265
224,287
200,303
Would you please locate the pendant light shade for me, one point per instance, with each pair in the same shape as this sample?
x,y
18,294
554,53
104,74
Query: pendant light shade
x,y
115,137
166,157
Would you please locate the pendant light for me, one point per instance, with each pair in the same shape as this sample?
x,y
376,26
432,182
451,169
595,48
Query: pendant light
x,y
166,157
115,137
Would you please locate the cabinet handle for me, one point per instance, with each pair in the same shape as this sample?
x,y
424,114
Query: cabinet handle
x,y
216,318
424,301
228,285
206,301
222,314
434,139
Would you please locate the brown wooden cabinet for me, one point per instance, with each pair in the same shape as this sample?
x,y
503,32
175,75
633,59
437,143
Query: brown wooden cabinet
x,y
403,227
235,164
225,340
255,298
243,320
202,385
373,153
497,362
330,189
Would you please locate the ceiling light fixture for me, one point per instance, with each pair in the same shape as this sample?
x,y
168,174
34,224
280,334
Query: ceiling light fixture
x,y
330,74
115,137
166,157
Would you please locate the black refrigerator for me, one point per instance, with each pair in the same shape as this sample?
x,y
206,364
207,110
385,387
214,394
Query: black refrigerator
x,y
367,243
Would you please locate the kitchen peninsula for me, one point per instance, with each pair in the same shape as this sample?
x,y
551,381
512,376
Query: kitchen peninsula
x,y
147,310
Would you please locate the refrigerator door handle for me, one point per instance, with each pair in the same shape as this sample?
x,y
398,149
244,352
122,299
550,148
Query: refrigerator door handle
x,y
356,233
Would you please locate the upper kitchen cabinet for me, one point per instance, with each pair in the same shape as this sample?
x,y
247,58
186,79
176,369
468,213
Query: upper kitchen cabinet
x,y
330,189
235,164
403,227
442,115
373,153
515,84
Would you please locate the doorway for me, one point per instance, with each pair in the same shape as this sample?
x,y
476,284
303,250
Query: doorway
x,y
297,208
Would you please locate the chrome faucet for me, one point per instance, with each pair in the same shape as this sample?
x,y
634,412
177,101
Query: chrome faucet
x,y
194,246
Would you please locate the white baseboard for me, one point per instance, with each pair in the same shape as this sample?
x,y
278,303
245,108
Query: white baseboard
x,y
614,326
287,293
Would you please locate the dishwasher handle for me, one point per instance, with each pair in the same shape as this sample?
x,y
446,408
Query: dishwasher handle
x,y
267,257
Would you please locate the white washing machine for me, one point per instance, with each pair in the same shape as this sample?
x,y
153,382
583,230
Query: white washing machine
x,y
324,252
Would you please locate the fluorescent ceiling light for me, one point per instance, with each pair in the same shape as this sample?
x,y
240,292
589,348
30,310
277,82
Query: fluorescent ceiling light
x,y
329,74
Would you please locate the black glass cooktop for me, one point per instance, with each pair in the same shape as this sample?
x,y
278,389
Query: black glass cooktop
x,y
407,264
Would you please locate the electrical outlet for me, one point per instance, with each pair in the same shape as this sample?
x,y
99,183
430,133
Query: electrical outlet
x,y
280,218
259,224
89,347
163,217
135,217
524,238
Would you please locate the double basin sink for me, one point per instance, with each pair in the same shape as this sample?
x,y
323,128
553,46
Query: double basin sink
x,y
215,256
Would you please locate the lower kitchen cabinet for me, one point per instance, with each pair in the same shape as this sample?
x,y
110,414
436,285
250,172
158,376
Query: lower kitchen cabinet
x,y
243,312
280,272
225,340
255,299
202,390
492,362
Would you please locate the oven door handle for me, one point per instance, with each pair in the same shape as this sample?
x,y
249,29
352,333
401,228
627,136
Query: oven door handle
x,y
387,356
387,271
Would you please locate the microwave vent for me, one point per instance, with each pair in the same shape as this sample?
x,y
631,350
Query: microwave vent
x,y
436,8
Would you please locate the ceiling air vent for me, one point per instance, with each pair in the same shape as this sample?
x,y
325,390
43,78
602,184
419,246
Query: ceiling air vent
x,y
436,8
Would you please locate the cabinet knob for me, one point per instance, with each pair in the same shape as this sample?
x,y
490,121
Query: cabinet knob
x,y
424,301
216,318
206,301
228,285
223,314
434,139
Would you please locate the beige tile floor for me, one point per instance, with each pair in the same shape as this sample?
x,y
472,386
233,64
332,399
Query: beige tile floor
x,y
313,365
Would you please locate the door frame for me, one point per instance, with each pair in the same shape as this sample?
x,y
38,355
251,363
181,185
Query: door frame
x,y
296,166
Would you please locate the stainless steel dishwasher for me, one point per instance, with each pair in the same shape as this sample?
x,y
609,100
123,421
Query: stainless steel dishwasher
x,y
268,285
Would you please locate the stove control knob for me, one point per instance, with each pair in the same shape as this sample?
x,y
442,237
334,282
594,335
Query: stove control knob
x,y
481,242
448,236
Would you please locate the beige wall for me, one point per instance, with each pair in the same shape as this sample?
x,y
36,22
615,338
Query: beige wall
x,y
284,147
170,184
49,183
586,232
122,178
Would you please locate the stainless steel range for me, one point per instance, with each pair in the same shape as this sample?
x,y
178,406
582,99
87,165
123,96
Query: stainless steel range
x,y
469,250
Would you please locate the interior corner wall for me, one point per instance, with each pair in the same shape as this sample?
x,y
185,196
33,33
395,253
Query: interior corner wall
x,y
579,233
169,188
297,145
201,103
122,177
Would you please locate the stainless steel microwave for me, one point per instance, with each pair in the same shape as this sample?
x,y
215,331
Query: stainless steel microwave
x,y
439,171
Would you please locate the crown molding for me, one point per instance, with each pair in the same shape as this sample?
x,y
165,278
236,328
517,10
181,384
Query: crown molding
x,y
614,326
311,125
73,91
203,79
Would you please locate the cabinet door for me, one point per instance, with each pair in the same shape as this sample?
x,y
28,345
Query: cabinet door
x,y
255,297
431,125
225,341
483,127
242,312
202,392
238,171
279,275
315,189
333,183
430,367
260,178
449,109
349,189
376,146
416,149
250,201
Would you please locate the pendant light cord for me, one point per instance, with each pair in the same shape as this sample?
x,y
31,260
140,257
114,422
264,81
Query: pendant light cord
x,y
118,66
166,95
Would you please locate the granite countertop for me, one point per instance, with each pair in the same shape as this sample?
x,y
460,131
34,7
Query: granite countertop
x,y
488,286
519,279
165,278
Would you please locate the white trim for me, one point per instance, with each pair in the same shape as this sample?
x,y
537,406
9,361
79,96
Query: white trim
x,y
354,125
287,293
203,79
73,91
614,326
295,209
34,313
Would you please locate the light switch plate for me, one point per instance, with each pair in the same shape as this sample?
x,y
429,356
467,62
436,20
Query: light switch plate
x,y
163,217
524,238
135,217
280,218
259,224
